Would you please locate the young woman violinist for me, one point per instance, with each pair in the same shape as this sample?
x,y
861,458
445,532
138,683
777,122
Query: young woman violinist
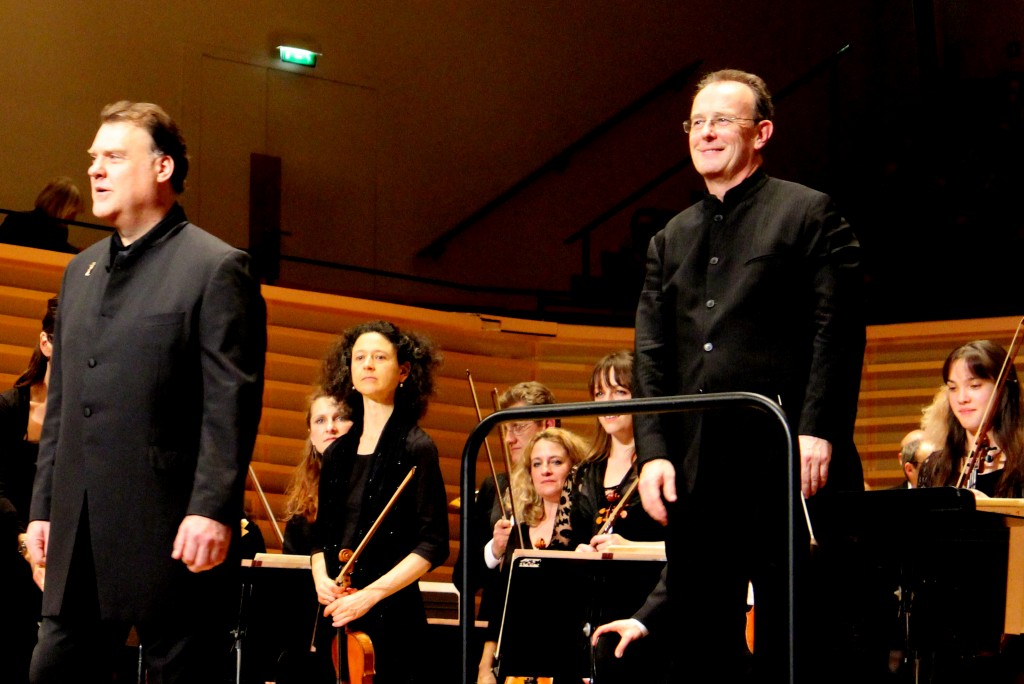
x,y
970,373
610,468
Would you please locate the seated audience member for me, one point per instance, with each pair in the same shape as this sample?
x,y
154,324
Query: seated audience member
x,y
44,226
970,374
22,409
488,511
537,481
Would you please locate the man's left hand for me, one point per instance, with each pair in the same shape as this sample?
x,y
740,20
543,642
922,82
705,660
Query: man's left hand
x,y
201,543
815,454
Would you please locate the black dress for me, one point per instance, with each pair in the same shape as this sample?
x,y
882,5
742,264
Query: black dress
x,y
354,488
21,595
590,503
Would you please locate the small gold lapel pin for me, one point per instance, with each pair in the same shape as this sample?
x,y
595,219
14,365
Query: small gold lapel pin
x,y
88,271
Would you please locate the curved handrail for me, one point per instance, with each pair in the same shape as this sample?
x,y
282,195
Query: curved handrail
x,y
679,403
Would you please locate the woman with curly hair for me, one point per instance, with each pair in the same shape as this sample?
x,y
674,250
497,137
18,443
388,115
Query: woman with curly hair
x,y
384,378
970,374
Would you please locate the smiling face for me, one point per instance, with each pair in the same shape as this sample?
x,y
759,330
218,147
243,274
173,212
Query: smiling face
x,y
128,178
326,423
549,468
609,389
726,154
376,372
968,395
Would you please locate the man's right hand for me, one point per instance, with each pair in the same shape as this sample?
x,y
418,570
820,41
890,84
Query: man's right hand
x,y
657,485
36,537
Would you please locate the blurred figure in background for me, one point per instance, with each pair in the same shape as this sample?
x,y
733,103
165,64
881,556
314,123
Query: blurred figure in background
x,y
44,227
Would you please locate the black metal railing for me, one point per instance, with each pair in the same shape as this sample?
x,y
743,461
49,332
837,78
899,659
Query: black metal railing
x,y
680,403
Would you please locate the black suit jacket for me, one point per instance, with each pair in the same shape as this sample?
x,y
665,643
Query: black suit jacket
x,y
154,401
760,292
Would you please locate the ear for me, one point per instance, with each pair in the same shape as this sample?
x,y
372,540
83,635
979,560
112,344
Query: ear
x,y
908,468
164,168
403,371
764,132
549,423
45,346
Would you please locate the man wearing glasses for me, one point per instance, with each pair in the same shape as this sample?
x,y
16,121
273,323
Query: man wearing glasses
x,y
488,513
755,288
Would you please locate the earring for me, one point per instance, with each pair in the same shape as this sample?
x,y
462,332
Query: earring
x,y
402,384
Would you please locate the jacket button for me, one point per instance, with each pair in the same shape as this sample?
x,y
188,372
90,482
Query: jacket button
x,y
708,346
92,363
87,412
710,303
714,261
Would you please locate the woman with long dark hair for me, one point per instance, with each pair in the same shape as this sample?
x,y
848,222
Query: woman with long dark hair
x,y
22,410
384,377
601,481
970,373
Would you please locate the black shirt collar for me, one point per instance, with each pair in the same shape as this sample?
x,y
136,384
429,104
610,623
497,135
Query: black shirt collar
x,y
174,218
737,194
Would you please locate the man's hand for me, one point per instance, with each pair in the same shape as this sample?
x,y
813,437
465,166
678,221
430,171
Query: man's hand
x,y
37,535
628,631
657,482
815,455
201,543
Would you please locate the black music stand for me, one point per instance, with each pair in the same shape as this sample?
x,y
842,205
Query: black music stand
x,y
552,598
276,616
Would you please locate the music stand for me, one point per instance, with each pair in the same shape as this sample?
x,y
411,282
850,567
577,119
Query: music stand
x,y
277,613
581,591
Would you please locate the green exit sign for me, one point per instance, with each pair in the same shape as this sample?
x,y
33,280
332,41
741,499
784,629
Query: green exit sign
x,y
294,55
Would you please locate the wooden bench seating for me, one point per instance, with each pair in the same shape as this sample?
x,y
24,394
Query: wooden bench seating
x,y
901,370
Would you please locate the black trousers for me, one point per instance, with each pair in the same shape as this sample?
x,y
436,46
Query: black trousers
x,y
79,645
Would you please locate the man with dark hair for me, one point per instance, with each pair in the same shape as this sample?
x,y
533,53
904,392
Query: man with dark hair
x,y
154,401
755,288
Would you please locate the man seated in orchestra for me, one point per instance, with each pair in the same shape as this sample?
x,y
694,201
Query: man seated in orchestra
x,y
487,512
914,451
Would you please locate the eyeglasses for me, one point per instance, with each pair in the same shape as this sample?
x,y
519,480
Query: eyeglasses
x,y
713,122
518,429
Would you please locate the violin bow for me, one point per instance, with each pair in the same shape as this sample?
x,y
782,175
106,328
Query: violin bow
x,y
350,557
508,470
487,445
982,443
266,505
